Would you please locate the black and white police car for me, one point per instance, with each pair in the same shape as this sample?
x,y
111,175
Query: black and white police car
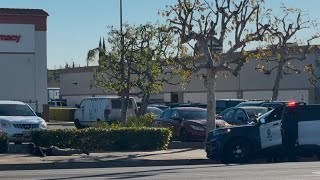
x,y
237,144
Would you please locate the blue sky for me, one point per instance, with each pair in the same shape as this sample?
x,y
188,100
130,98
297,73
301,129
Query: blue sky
x,y
75,26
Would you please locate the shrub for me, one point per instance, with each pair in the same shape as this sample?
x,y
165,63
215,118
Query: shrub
x,y
104,125
4,143
98,139
145,120
61,114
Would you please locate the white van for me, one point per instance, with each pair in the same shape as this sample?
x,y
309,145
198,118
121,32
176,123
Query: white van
x,y
104,109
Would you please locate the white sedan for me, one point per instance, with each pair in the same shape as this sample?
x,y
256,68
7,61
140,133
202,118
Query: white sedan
x,y
17,120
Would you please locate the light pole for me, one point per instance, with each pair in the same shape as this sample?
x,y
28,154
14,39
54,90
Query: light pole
x,y
122,69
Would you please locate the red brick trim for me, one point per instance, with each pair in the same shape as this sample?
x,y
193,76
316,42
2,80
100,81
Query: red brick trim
x,y
40,22
17,52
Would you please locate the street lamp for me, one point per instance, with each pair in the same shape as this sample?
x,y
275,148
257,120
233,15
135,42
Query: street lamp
x,y
122,70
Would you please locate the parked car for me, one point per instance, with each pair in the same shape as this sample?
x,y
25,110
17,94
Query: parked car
x,y
104,109
162,107
239,143
242,115
251,103
17,120
223,104
155,111
189,123
268,104
57,104
273,104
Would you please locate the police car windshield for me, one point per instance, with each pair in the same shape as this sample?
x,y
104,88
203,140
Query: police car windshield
x,y
256,112
265,115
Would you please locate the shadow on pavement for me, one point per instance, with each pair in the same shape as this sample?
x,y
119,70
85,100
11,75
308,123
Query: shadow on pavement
x,y
139,174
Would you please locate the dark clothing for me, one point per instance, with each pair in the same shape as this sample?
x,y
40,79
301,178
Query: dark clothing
x,y
55,151
289,133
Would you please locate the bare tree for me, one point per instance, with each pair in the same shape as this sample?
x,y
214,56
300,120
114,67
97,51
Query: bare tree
x,y
218,23
283,48
313,70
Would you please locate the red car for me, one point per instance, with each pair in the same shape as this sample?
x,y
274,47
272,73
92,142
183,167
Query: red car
x,y
188,123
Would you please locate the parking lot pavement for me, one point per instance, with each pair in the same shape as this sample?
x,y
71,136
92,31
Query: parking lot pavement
x,y
292,171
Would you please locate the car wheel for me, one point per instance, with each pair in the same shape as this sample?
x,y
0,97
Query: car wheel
x,y
78,124
237,152
184,136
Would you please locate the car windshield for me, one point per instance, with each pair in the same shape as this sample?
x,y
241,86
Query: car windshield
x,y
194,114
154,111
256,112
15,110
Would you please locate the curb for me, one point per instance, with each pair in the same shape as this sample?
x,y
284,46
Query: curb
x,y
60,123
106,164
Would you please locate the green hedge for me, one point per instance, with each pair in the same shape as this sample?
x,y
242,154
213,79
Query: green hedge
x,y
4,143
146,120
97,139
61,114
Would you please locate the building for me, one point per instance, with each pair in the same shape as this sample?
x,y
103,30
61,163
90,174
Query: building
x,y
76,84
23,56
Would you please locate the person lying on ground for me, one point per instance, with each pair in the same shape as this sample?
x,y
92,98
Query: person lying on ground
x,y
54,151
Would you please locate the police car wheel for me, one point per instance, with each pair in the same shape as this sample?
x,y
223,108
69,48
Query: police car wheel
x,y
318,156
237,152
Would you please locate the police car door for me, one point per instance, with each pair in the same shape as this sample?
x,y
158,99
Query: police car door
x,y
270,134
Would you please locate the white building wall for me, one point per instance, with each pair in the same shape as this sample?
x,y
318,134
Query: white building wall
x,y
166,97
23,65
202,97
284,95
41,68
17,77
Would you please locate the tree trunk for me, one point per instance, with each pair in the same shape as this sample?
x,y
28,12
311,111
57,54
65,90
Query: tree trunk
x,y
211,99
275,90
144,104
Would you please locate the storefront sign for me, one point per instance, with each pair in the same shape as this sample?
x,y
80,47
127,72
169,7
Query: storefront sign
x,y
15,38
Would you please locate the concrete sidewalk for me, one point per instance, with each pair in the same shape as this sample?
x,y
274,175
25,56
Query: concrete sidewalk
x,y
59,123
105,160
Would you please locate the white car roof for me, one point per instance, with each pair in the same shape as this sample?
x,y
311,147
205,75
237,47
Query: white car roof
x,y
12,102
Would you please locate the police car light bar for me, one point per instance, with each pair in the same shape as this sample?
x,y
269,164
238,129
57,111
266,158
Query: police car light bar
x,y
292,103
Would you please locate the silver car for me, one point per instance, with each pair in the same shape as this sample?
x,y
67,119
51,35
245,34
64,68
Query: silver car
x,y
17,120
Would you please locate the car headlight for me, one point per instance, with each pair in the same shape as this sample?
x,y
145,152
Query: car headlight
x,y
43,125
197,128
220,131
5,124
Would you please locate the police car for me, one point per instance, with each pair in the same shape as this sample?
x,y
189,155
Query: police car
x,y
239,143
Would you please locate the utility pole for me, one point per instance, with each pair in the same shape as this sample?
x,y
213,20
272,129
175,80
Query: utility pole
x,y
122,67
